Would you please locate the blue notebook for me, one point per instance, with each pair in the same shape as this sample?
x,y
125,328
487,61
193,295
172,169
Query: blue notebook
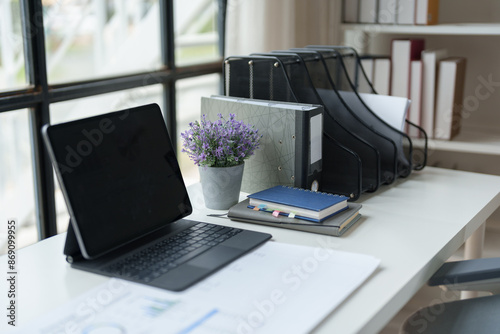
x,y
298,201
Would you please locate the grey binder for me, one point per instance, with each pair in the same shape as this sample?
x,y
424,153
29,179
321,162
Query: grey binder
x,y
290,150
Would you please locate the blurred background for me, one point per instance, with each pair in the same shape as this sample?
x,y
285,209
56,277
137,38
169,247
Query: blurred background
x,y
87,40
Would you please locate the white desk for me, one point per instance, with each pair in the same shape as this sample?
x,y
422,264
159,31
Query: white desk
x,y
413,226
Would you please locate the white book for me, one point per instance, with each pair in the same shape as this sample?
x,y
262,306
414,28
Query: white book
x,y
402,53
351,9
368,11
421,11
414,114
449,99
406,12
387,11
363,86
426,12
400,68
382,75
430,60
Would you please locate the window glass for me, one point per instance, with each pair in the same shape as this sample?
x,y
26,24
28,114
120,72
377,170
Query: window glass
x,y
196,34
91,106
17,197
87,40
189,93
12,73
91,39
99,104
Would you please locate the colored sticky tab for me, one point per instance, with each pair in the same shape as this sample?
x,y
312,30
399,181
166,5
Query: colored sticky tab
x,y
262,207
276,213
256,208
291,215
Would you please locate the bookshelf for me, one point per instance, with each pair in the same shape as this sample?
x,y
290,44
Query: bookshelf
x,y
468,30
477,141
465,29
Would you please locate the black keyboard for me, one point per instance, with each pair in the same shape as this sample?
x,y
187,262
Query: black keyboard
x,y
154,261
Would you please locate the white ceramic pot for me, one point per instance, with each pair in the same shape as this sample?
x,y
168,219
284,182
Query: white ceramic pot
x,y
221,186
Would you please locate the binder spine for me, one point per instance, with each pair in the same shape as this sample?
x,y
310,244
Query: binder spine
x,y
308,156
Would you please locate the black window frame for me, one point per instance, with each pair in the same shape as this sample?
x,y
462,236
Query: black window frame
x,y
39,95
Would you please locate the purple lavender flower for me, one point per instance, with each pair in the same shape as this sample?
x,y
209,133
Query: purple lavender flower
x,y
222,143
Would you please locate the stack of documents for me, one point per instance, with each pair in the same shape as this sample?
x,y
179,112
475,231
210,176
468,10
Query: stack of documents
x,y
298,209
335,226
259,293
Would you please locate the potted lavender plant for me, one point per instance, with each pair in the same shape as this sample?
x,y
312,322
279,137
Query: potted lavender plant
x,y
219,148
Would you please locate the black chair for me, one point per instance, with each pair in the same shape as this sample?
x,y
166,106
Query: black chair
x,y
475,315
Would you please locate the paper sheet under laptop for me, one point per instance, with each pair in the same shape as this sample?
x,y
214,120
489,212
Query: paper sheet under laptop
x,y
258,293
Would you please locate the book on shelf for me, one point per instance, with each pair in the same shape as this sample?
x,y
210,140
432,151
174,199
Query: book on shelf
x,y
316,206
427,12
382,75
405,12
421,12
367,63
430,60
387,12
336,225
378,71
351,11
449,101
415,112
368,11
403,51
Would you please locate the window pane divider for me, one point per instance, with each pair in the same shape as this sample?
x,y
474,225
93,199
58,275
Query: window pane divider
x,y
75,90
39,94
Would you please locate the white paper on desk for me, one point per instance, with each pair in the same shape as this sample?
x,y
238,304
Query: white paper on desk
x,y
278,288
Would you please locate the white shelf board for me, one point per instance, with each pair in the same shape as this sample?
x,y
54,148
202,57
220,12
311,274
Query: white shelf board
x,y
467,141
491,29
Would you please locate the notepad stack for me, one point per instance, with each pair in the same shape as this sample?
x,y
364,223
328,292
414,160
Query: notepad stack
x,y
298,203
298,209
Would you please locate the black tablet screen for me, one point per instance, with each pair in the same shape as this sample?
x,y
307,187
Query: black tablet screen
x,y
120,176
